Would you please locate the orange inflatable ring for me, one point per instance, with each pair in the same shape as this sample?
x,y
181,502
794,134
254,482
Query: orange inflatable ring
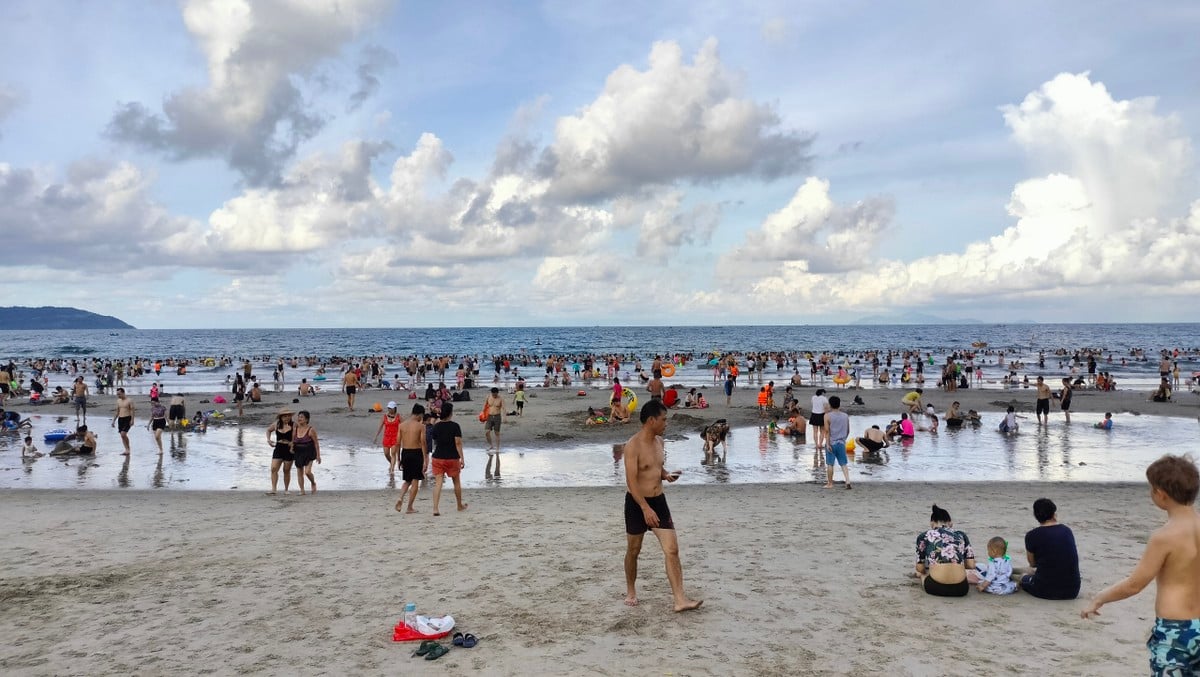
x,y
668,370
582,393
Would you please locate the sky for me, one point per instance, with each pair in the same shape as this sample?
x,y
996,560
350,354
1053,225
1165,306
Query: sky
x,y
380,163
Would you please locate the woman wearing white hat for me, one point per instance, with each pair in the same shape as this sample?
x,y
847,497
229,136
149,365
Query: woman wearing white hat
x,y
390,427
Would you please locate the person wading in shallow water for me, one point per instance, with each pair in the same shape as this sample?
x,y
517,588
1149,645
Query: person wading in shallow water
x,y
646,506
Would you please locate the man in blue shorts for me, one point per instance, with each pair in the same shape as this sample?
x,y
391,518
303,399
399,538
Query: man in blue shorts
x,y
836,429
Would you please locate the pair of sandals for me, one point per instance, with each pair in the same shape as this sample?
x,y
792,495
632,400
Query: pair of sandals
x,y
433,650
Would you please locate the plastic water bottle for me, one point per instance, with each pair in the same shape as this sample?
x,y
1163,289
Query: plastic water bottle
x,y
410,615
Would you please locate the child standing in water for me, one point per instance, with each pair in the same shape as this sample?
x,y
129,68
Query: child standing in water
x,y
996,576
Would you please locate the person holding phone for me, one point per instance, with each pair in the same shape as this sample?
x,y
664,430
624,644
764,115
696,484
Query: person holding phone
x,y
646,506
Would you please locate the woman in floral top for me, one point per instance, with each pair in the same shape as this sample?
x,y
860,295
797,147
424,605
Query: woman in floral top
x,y
943,557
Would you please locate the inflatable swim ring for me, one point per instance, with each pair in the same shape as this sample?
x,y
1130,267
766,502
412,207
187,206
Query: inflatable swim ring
x,y
850,446
668,370
56,435
319,378
633,400
841,379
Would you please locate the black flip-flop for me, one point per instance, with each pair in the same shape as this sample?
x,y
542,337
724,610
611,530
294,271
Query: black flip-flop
x,y
458,639
469,641
424,648
436,651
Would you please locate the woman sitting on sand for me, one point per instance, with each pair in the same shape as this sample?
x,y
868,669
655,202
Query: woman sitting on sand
x,y
595,418
1162,393
943,557
701,403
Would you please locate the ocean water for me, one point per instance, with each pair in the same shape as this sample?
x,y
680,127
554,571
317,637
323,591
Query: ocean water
x,y
234,457
262,346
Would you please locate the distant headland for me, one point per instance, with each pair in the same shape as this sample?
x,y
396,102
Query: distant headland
x,y
50,317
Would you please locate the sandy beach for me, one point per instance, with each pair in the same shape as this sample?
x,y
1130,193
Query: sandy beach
x,y
796,581
557,415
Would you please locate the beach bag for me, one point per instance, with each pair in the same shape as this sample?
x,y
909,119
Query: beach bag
x,y
483,415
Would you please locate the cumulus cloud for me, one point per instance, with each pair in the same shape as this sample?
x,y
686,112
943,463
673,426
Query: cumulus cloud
x,y
1094,222
322,199
252,112
673,121
1129,157
99,217
664,225
828,237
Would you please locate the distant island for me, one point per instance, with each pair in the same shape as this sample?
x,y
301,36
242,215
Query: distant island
x,y
912,318
51,317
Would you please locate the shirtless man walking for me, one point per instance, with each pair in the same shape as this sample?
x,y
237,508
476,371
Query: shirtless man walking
x,y
646,506
350,382
1172,559
414,456
123,419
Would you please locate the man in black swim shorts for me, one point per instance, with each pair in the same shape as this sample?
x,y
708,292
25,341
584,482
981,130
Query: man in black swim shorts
x,y
123,417
414,456
646,506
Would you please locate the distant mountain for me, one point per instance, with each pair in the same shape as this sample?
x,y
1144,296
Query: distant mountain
x,y
50,317
912,318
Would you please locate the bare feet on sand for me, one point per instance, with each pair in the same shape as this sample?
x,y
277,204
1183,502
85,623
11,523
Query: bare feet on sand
x,y
631,600
689,605
462,507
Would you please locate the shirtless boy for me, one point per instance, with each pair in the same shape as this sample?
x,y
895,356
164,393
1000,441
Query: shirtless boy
x,y
646,506
123,419
1172,559
414,456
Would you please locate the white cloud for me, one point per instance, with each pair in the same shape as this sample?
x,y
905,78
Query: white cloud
x,y
664,225
812,228
1129,157
98,217
251,112
1092,224
673,121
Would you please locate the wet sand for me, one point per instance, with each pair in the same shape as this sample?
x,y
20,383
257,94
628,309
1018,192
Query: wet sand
x,y
796,581
556,415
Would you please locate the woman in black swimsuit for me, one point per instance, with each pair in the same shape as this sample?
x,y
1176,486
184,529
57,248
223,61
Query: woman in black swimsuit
x,y
282,445
305,449
158,421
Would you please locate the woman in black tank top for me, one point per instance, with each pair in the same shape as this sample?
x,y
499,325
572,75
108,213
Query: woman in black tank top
x,y
282,429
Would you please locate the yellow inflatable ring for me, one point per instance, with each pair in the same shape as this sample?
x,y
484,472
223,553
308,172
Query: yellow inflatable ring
x,y
668,370
633,401
841,380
